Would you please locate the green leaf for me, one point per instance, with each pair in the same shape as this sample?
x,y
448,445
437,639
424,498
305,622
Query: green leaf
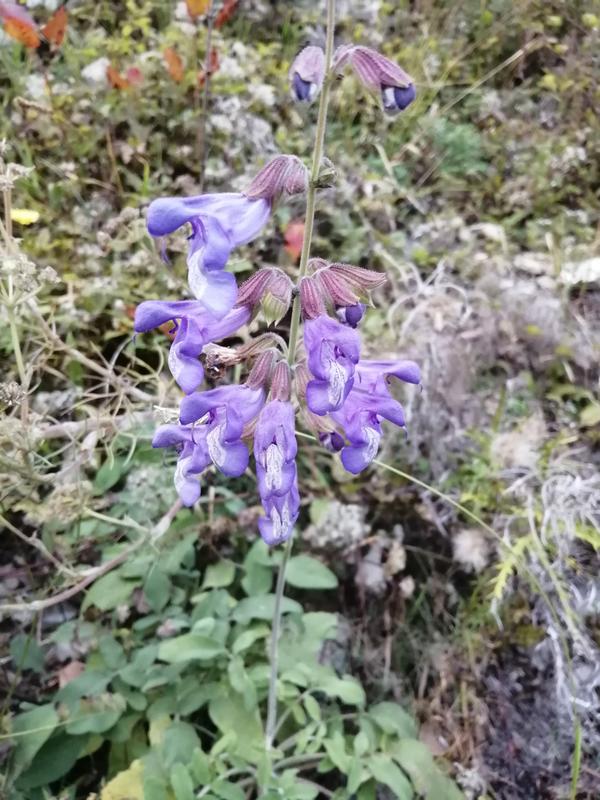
x,y
356,776
361,743
182,783
313,709
417,761
305,572
189,647
385,771
157,588
257,580
392,718
112,652
33,729
367,791
231,717
200,767
263,607
192,695
109,473
109,591
227,790
179,742
26,653
96,714
219,575
347,689
240,681
54,759
336,750
590,415
247,638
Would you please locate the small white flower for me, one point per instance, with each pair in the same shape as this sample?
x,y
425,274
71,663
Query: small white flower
x,y
95,72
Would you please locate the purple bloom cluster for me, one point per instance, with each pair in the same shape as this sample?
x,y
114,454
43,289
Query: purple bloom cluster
x,y
214,425
341,397
354,392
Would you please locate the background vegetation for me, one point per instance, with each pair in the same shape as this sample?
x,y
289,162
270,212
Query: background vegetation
x,y
427,645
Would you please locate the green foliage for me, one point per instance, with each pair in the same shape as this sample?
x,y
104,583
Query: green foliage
x,y
182,711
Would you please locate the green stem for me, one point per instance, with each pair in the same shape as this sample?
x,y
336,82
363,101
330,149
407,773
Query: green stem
x,y
311,194
311,197
201,141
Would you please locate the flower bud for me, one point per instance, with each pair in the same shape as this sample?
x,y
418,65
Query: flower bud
x,y
378,74
337,290
327,174
252,290
261,371
281,384
282,174
359,278
332,441
271,289
311,298
277,297
306,74
351,315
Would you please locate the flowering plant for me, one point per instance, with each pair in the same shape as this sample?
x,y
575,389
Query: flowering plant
x,y
341,396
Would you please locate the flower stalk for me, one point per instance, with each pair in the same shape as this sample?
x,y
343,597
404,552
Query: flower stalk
x,y
311,197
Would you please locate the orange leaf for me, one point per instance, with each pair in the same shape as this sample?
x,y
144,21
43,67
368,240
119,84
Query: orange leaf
x,y
226,13
197,7
56,27
174,64
294,236
21,31
116,80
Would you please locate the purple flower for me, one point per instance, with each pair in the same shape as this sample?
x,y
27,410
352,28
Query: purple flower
x,y
196,329
193,459
281,513
307,73
222,414
219,223
367,403
332,350
275,449
378,74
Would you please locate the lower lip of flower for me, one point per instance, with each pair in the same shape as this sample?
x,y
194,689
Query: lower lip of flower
x,y
274,466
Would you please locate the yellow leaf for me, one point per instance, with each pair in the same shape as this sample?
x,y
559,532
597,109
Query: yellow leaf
x,y
197,7
126,785
24,216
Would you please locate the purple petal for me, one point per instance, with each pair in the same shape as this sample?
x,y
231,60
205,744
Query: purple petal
x,y
244,401
152,313
216,290
320,398
233,321
167,214
211,244
363,448
281,515
183,356
232,459
406,371
170,435
324,338
276,425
